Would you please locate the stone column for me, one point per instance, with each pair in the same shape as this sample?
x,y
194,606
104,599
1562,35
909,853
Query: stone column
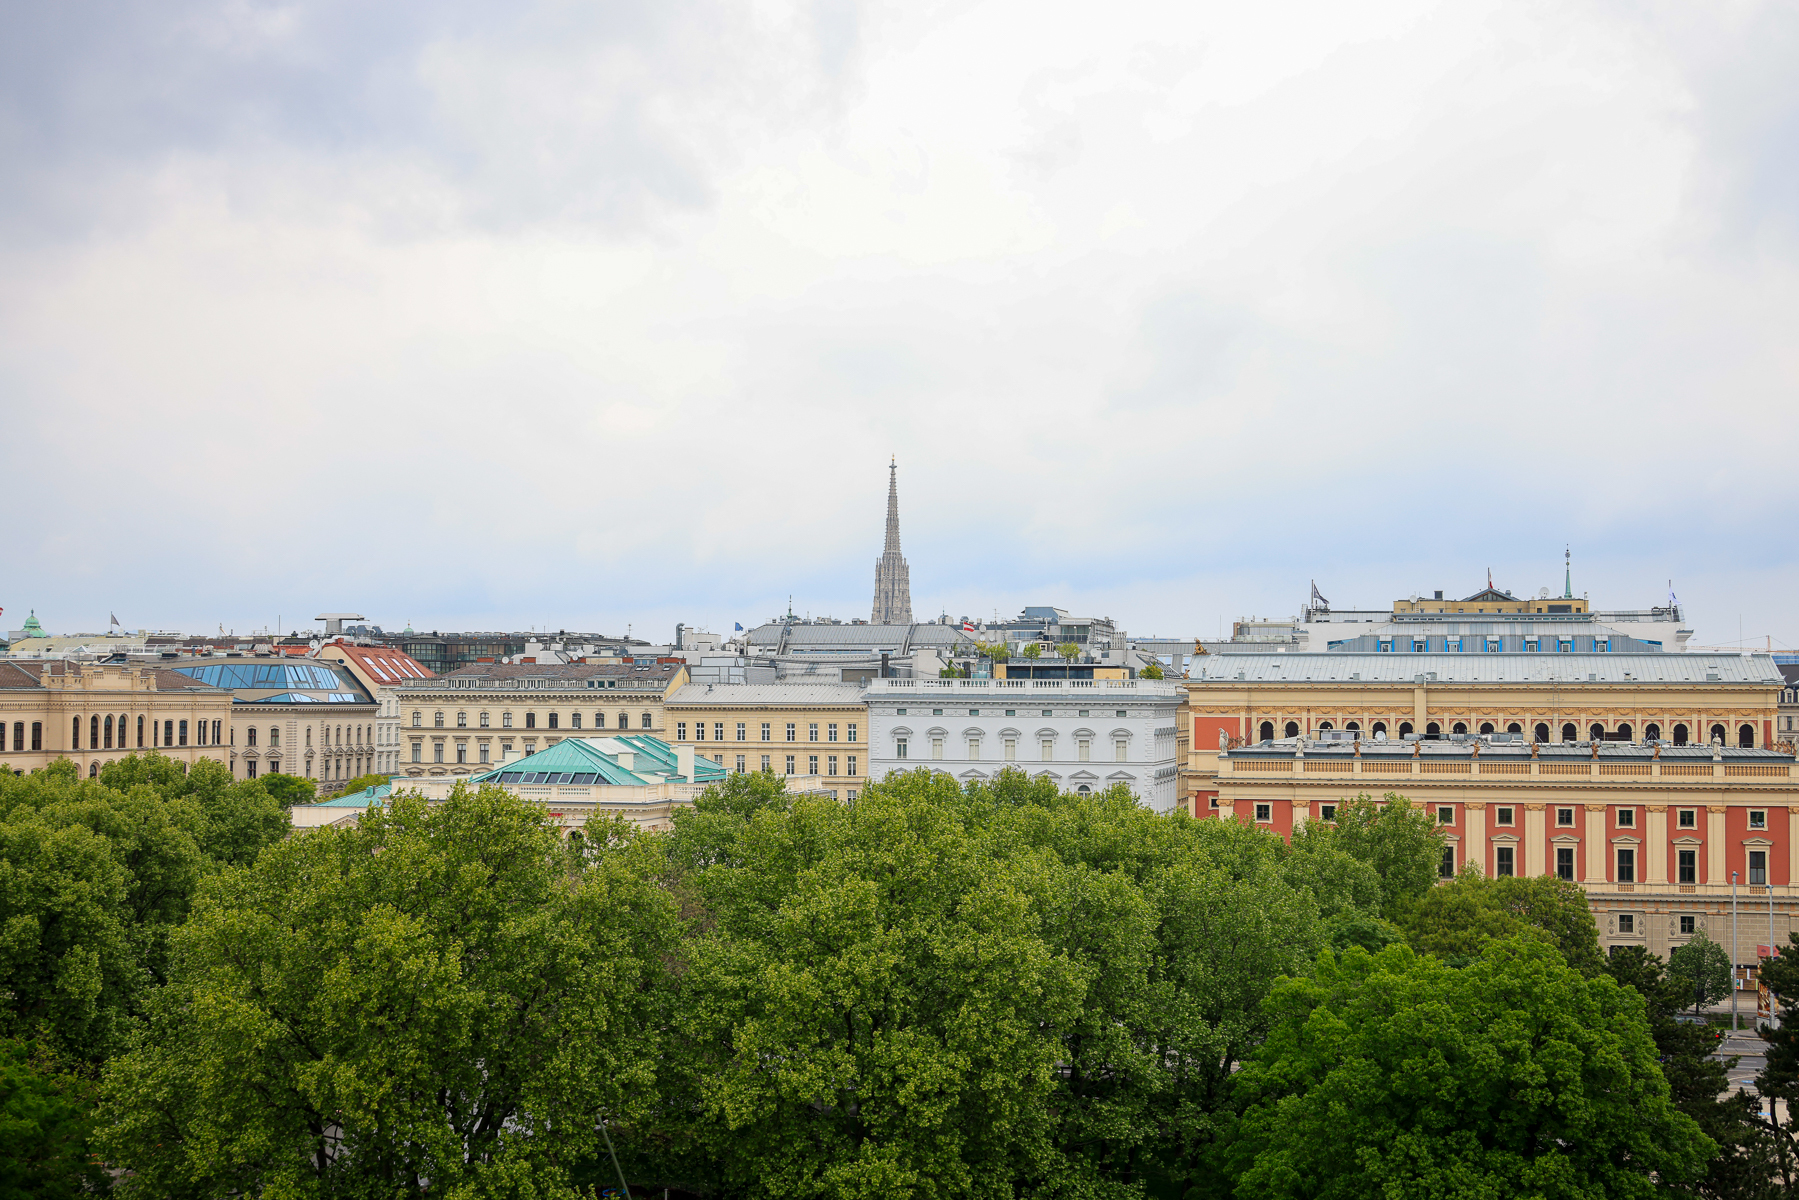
x,y
1474,833
1533,840
1655,846
1715,870
1595,843
1302,812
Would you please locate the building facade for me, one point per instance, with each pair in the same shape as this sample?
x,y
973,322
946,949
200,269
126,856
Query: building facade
x,y
1656,835
296,717
490,714
1544,697
94,713
382,671
1085,735
790,729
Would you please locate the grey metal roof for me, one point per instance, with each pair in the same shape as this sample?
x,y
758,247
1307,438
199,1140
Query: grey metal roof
x,y
1475,667
774,695
859,637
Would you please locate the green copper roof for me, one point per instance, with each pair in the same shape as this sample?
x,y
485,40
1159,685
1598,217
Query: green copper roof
x,y
32,628
589,760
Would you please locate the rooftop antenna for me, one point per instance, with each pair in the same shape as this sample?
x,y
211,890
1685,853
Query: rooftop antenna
x,y
1568,576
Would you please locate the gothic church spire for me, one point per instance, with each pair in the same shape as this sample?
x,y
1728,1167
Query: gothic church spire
x,y
893,583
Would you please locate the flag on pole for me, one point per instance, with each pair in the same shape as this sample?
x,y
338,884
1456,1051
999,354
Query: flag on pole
x,y
115,618
967,626
739,628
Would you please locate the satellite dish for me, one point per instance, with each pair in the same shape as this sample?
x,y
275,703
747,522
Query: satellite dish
x,y
1414,597
1542,593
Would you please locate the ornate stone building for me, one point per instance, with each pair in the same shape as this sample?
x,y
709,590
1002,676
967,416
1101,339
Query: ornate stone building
x,y
893,583
93,713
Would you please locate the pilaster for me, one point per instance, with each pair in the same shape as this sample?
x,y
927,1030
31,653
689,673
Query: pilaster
x,y
1534,834
1655,846
1715,870
1474,850
1595,843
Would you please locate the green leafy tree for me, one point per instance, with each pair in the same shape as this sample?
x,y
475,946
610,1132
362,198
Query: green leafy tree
x,y
868,1008
439,998
1069,651
1698,1081
1394,1074
1705,967
999,652
46,1129
1778,1081
361,783
1151,670
289,790
1398,839
1455,921
1033,650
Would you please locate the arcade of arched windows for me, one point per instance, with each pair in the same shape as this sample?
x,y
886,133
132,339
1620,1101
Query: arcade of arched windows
x,y
1738,729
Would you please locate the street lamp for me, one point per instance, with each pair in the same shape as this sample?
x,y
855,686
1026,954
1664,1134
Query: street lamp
x,y
1733,951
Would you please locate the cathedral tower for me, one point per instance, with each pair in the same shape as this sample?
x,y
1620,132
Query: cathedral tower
x,y
893,584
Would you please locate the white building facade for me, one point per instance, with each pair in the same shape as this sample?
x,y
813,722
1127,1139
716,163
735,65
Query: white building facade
x,y
1083,734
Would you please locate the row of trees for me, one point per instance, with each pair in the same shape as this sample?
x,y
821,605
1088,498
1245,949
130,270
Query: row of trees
x,y
933,990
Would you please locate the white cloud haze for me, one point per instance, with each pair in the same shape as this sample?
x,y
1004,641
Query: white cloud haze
x,y
596,314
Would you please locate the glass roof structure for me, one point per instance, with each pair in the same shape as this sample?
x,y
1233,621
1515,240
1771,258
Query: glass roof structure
x,y
267,675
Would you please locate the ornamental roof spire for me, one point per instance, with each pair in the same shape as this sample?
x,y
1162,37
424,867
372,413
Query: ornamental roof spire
x,y
893,584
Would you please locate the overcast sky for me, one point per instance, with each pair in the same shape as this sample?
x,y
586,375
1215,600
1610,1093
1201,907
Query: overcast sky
x,y
495,316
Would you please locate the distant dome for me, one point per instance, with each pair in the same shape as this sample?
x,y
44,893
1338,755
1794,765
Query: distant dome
x,y
32,628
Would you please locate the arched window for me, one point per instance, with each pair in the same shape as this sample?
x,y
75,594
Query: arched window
x,y
93,734
1323,725
1680,735
1718,734
309,737
646,720
93,769
1352,727
1625,733
1486,727
530,720
1433,730
1378,727
624,720
181,735
552,720
1746,736
274,736
1542,732
106,731
1292,729
140,732
1267,731
75,733
250,736
1569,733
1405,728
1514,727
1083,790
1652,732
1596,733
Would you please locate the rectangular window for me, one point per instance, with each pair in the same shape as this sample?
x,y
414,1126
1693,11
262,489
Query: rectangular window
x,y
1627,866
484,752
1264,812
1446,867
792,734
936,748
974,749
574,721
767,733
1687,924
506,720
831,732
418,752
1627,818
437,751
790,764
812,732
1503,861
1446,814
1049,750
251,767
831,765
1011,749
850,736
851,764
765,766
740,729
1502,816
740,759
1686,819
899,747
1627,922
461,752
1758,819
718,731
1121,749
681,731
1688,861
699,730
183,734
1084,748
1564,817
1758,867
1326,812
1564,862
486,723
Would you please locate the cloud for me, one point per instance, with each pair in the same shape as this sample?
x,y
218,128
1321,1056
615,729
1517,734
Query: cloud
x,y
596,314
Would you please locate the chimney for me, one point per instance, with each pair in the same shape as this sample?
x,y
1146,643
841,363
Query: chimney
x,y
684,762
883,664
627,759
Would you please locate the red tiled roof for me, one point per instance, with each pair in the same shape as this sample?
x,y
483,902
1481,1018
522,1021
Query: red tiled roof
x,y
386,664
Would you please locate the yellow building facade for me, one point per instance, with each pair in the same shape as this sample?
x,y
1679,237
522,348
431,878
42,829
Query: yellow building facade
x,y
94,713
798,729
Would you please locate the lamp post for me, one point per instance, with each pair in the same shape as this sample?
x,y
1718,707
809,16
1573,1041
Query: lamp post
x,y
1733,951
